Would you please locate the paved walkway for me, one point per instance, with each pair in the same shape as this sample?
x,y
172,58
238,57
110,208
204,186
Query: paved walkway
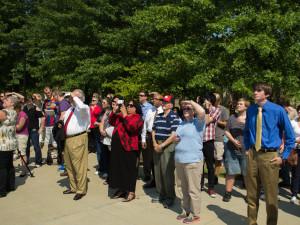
x,y
39,201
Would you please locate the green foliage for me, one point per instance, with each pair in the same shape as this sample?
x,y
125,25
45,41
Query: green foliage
x,y
181,47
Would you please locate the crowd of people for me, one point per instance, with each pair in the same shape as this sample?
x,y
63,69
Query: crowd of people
x,y
176,144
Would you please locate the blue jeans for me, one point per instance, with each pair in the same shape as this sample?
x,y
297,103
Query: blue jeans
x,y
34,138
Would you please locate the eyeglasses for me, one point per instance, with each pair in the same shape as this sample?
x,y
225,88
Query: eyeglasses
x,y
130,105
94,100
2,96
159,99
141,95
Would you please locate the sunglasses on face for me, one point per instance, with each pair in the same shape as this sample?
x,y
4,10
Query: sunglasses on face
x,y
94,100
159,99
130,105
141,95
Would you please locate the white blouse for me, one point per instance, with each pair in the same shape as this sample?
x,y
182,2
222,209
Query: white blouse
x,y
296,129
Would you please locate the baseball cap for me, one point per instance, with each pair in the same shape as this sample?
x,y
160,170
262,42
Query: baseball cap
x,y
168,98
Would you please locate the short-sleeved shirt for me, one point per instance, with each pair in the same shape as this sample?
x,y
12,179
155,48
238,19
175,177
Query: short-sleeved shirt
x,y
24,130
189,148
164,126
33,116
63,106
211,127
219,130
50,109
8,140
236,129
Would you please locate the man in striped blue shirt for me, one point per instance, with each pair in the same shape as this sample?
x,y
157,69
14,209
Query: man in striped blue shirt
x,y
163,134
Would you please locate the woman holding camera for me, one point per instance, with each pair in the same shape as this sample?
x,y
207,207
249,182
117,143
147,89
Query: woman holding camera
x,y
123,172
8,144
189,160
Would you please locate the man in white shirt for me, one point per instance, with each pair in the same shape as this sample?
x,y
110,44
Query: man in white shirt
x,y
147,144
76,124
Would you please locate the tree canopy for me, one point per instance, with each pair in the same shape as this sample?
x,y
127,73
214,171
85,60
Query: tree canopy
x,y
183,47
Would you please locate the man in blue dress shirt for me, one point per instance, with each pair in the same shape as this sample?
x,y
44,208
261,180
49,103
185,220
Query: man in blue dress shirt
x,y
267,126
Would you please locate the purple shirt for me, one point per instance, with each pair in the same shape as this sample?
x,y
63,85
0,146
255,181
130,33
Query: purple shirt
x,y
63,106
24,130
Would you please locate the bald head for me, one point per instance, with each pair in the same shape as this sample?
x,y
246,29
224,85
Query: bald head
x,y
79,93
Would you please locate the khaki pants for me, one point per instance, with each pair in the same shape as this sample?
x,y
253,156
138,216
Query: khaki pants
x,y
261,172
76,160
188,177
164,168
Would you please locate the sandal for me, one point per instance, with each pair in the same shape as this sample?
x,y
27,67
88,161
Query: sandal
x,y
130,197
182,216
118,194
191,219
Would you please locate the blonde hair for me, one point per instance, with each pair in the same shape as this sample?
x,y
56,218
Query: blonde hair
x,y
246,102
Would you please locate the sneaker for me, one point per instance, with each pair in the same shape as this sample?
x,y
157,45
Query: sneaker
x,y
293,199
191,219
212,193
227,196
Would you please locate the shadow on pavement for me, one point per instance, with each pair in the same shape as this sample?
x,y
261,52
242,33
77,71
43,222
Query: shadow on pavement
x,y
63,182
289,208
227,216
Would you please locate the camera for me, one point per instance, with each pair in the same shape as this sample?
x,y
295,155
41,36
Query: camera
x,y
120,102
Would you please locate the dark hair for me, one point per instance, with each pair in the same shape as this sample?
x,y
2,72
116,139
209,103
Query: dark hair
x,y
145,92
137,106
210,97
298,108
263,86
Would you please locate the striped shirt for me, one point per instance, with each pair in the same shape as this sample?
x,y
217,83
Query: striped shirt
x,y
164,126
210,130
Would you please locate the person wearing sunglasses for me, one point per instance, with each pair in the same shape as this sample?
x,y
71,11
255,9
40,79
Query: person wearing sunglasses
x,y
146,135
123,171
95,111
189,160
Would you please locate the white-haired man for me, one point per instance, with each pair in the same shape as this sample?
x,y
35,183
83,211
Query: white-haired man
x,y
76,123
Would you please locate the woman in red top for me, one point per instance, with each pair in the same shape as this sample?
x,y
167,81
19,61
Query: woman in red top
x,y
95,111
123,172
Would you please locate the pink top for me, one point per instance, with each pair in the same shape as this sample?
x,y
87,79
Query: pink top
x,y
24,130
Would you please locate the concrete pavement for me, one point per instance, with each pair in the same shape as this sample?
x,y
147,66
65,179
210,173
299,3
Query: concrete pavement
x,y
39,201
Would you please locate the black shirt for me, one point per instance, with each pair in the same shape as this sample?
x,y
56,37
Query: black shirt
x,y
33,116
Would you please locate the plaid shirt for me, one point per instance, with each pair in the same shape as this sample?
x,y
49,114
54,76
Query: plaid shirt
x,y
210,130
128,129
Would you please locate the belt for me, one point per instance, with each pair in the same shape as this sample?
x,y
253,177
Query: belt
x,y
264,150
74,135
